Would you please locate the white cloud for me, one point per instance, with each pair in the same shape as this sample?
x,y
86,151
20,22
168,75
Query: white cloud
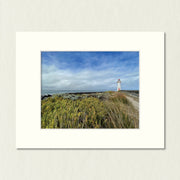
x,y
86,79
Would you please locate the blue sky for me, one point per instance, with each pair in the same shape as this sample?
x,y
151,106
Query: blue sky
x,y
89,70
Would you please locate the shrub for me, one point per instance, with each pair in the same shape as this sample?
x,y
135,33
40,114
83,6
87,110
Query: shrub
x,y
66,113
88,112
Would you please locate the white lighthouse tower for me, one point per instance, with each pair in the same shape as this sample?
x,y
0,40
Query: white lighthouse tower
x,y
118,85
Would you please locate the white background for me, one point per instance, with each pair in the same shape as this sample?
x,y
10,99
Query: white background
x,y
89,15
28,81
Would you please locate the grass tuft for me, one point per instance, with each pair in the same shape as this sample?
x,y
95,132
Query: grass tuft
x,y
115,111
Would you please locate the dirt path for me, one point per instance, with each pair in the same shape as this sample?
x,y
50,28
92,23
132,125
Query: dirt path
x,y
134,102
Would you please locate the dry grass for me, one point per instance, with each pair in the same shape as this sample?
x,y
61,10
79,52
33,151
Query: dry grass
x,y
114,111
121,112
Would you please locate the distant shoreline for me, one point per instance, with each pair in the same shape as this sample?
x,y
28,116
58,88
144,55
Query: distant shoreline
x,y
80,93
45,92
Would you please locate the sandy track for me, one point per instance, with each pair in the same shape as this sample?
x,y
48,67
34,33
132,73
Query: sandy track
x,y
134,102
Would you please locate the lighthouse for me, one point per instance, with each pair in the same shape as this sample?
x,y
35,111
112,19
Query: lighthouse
x,y
118,85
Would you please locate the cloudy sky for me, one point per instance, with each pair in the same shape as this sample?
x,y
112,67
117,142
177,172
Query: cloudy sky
x,y
89,70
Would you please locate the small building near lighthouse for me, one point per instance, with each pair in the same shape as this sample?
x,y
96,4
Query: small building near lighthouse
x,y
118,85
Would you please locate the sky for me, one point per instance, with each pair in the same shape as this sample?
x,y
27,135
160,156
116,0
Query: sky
x,y
93,71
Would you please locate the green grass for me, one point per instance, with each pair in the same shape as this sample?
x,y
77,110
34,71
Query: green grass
x,y
90,112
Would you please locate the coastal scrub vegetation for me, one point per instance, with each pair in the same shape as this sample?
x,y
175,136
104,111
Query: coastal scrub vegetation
x,y
99,110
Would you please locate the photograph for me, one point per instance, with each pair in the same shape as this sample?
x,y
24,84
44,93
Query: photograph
x,y
89,89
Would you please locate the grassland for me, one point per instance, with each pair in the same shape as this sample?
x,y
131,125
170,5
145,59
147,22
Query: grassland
x,y
97,110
